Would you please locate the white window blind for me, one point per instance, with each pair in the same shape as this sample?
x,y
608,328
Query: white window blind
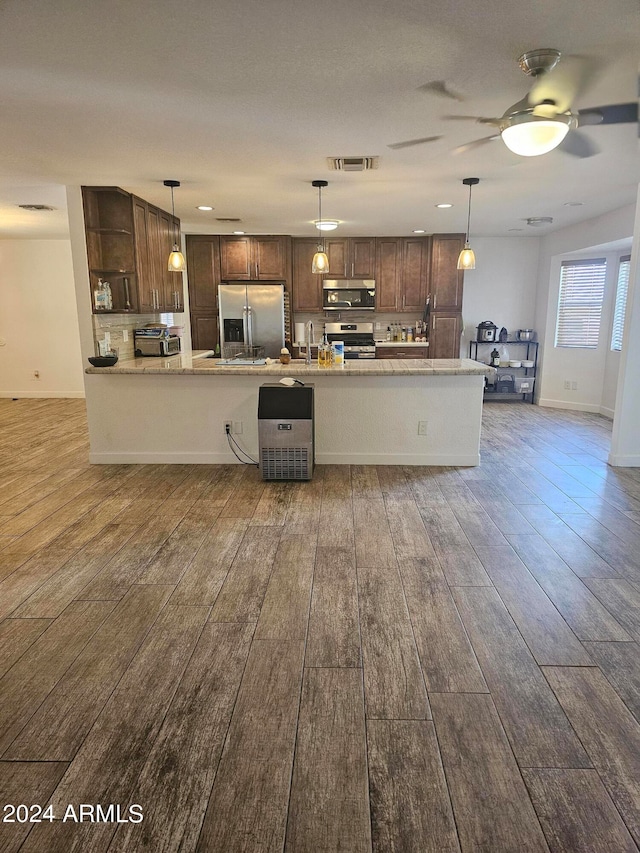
x,y
621,303
580,303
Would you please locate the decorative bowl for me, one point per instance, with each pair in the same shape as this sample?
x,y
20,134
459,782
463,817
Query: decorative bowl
x,y
103,360
515,364
527,363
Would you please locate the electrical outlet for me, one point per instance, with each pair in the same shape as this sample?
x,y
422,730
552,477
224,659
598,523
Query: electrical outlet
x,y
237,427
574,386
125,335
567,385
228,427
422,427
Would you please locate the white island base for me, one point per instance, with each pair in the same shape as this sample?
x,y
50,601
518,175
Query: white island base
x,y
366,414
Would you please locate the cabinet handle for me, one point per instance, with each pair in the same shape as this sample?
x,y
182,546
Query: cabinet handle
x,y
433,324
153,297
257,270
435,300
352,268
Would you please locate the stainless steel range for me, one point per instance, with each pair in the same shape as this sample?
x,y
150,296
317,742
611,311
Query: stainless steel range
x,y
358,338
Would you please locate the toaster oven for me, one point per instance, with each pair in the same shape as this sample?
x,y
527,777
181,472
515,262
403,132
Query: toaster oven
x,y
157,346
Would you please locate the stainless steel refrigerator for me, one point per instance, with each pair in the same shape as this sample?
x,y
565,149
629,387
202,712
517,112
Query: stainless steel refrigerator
x,y
252,313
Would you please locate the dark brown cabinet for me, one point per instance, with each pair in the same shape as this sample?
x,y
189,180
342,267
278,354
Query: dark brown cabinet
x,y
245,258
306,285
128,245
203,273
402,273
351,257
402,352
444,334
446,279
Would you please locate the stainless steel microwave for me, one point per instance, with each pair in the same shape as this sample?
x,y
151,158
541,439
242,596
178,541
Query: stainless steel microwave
x,y
348,294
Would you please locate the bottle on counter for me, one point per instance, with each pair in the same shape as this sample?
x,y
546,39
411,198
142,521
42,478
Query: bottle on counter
x,y
108,296
409,335
388,333
100,296
403,334
324,352
495,358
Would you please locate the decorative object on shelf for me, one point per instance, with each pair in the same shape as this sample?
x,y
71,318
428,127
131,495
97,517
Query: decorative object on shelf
x,y
504,335
525,334
103,360
495,358
320,262
176,258
467,258
285,356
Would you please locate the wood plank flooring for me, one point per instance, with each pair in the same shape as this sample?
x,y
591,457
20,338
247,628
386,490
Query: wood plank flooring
x,y
382,660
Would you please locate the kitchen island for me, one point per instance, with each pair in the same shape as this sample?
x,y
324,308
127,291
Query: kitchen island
x,y
381,412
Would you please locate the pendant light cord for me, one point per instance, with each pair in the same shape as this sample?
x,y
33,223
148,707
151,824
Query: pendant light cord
x,y
173,219
469,213
321,241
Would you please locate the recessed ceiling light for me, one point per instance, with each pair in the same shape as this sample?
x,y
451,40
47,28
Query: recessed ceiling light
x,y
204,207
326,224
36,207
573,204
516,229
444,205
238,232
419,231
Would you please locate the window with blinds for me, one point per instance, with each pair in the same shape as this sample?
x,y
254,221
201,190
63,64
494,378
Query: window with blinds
x,y
622,290
580,303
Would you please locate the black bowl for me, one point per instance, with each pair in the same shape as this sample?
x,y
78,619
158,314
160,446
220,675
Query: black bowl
x,y
103,360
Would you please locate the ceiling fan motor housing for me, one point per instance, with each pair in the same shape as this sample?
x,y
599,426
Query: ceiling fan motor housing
x,y
535,62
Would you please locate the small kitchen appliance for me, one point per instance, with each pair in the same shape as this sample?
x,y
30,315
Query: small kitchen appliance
x,y
286,431
155,341
525,334
487,331
357,337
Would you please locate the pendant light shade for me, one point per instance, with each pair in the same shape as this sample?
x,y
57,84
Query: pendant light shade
x,y
320,262
176,258
467,259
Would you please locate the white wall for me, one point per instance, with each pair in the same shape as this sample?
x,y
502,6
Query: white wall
x,y
38,320
592,370
502,288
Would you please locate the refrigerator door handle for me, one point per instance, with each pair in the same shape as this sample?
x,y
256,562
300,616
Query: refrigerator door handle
x,y
249,335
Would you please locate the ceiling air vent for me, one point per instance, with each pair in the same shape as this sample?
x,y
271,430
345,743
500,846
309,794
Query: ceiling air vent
x,y
36,207
352,164
228,219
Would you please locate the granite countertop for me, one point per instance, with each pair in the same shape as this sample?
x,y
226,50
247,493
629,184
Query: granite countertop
x,y
196,363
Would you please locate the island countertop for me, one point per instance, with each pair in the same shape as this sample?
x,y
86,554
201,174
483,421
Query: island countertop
x,y
198,363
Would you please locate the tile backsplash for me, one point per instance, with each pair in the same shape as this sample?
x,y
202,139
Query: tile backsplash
x,y
117,324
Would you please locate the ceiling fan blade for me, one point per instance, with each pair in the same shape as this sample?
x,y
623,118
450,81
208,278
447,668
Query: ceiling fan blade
x,y
479,119
578,145
410,142
469,146
562,86
440,88
610,114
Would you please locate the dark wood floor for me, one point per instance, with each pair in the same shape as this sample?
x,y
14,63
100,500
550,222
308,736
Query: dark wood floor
x,y
387,659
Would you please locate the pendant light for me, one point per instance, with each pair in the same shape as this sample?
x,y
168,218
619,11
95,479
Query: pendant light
x,y
467,259
320,263
176,258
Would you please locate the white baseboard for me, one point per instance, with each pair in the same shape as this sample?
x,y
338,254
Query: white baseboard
x,y
573,407
622,461
40,395
142,458
608,413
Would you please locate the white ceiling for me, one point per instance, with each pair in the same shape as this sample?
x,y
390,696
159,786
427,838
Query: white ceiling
x,y
243,103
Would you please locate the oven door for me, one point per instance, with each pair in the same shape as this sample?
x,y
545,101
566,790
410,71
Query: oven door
x,y
344,299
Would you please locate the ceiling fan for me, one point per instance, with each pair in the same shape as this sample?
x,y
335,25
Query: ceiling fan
x,y
541,121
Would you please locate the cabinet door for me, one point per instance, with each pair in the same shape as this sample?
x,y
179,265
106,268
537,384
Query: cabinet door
x,y
271,257
415,271
236,262
155,244
446,279
203,273
204,331
307,286
338,253
444,337
388,263
362,257
172,282
146,297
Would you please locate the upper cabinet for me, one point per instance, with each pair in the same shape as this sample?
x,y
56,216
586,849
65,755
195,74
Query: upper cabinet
x,y
128,245
446,279
351,257
306,285
244,258
402,273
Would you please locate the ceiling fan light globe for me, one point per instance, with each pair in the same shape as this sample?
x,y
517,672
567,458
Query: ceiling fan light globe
x,y
466,258
530,136
326,224
320,262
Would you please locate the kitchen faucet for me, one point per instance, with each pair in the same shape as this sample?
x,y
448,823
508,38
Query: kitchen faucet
x,y
309,334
